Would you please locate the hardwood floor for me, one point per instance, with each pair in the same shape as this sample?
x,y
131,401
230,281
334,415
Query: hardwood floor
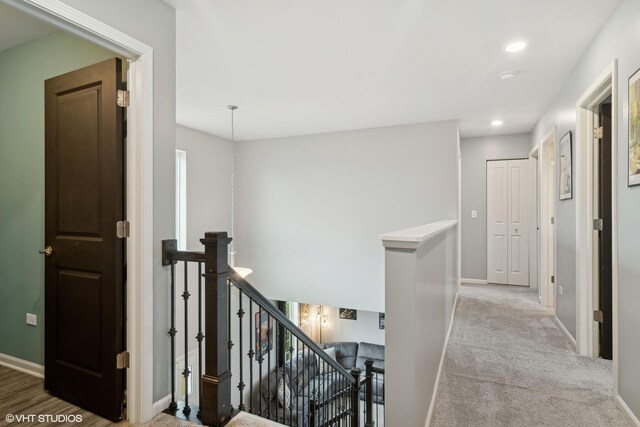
x,y
23,394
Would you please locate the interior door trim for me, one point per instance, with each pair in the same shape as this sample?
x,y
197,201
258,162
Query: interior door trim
x,y
139,188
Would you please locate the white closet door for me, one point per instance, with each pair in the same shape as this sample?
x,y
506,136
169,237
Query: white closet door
x,y
497,222
518,213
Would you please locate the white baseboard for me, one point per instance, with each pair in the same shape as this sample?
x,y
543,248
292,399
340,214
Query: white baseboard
x,y
627,411
473,281
442,357
565,332
161,404
22,365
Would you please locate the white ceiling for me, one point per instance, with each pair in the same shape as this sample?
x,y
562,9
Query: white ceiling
x,y
302,67
17,28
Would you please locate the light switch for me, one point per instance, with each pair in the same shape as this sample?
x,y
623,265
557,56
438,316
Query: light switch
x,y
474,214
32,319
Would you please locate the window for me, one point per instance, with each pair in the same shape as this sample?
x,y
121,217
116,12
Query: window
x,y
181,199
290,343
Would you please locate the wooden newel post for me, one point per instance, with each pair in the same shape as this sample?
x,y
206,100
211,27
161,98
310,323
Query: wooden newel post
x,y
355,397
368,418
216,380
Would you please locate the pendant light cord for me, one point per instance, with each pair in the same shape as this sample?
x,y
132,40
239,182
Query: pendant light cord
x,y
232,246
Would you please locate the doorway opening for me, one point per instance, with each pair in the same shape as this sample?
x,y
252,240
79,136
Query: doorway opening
x,y
138,185
547,212
596,224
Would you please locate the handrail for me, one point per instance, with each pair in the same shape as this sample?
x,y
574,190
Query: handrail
x,y
171,254
279,316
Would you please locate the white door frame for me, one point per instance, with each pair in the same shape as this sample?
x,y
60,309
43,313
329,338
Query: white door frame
x,y
606,84
547,206
534,232
139,188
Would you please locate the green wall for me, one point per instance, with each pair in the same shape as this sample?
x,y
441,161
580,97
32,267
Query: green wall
x,y
23,71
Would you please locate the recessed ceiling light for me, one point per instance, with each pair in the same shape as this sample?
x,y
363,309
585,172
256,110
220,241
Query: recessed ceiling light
x,y
515,47
507,75
496,123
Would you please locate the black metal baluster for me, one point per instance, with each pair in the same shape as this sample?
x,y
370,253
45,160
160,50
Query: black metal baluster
x,y
251,354
297,381
199,337
268,361
290,378
240,355
275,369
230,344
260,359
185,295
172,333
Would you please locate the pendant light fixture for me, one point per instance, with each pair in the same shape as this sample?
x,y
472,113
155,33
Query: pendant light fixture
x,y
242,271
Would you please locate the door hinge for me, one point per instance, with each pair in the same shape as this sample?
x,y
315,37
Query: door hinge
x,y
598,132
122,360
553,220
553,279
598,224
123,229
598,316
123,98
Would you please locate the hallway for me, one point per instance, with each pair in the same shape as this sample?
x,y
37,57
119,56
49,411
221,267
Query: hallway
x,y
508,364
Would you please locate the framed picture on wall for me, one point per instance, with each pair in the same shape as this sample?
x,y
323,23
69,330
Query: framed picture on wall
x,y
264,333
349,314
381,321
634,129
566,168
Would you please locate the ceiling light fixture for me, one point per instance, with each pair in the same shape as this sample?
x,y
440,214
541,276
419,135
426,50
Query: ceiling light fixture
x,y
242,271
507,75
515,46
496,123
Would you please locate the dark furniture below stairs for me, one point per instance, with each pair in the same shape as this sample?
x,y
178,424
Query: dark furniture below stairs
x,y
353,354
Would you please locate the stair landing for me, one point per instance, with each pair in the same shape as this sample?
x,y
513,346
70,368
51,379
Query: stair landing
x,y
244,419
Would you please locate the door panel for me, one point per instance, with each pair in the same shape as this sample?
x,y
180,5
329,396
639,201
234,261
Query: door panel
x,y
518,173
605,244
507,222
84,276
497,220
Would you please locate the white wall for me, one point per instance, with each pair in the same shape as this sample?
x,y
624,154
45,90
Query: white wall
x,y
618,39
364,329
475,153
208,183
309,209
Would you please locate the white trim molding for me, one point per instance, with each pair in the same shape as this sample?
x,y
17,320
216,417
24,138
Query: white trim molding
x,y
440,367
627,411
464,281
546,211
564,330
139,188
21,365
606,84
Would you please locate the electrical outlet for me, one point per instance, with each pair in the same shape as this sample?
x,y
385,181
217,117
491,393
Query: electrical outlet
x,y
32,319
474,214
560,290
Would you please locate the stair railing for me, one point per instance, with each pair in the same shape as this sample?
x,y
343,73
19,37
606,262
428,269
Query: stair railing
x,y
373,395
320,391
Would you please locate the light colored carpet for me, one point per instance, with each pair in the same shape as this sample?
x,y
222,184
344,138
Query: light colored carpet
x,y
508,364
242,419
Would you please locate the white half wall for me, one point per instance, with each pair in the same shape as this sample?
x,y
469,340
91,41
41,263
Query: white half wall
x,y
309,209
421,288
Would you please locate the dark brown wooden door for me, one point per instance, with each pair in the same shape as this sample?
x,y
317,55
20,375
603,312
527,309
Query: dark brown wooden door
x,y
605,240
84,275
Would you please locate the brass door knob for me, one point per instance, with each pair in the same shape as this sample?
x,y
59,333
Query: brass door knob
x,y
47,251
